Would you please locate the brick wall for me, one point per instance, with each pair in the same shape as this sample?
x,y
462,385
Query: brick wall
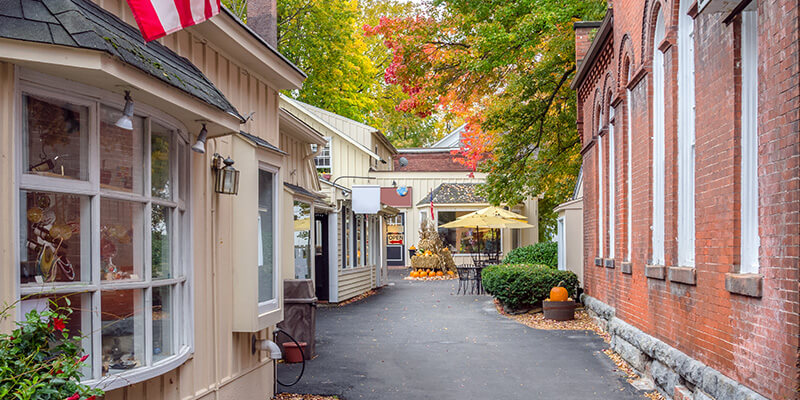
x,y
429,162
753,340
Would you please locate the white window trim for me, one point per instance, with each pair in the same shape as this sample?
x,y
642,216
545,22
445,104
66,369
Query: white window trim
x,y
36,83
686,137
601,243
562,244
750,241
658,144
268,306
329,157
612,209
629,114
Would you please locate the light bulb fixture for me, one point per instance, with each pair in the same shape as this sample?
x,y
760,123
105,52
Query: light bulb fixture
x,y
226,178
125,121
200,145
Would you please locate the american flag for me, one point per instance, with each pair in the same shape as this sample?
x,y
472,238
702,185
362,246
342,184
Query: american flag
x,y
157,18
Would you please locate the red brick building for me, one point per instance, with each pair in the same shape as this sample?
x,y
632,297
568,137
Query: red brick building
x,y
690,117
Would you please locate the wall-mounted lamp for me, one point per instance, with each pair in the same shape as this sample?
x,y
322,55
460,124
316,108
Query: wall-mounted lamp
x,y
200,145
226,178
125,121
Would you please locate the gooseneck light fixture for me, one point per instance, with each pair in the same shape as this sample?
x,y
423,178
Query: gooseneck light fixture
x,y
226,178
125,121
200,145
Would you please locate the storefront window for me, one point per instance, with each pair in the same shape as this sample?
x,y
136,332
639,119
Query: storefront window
x,y
266,237
467,240
302,240
347,221
94,235
358,241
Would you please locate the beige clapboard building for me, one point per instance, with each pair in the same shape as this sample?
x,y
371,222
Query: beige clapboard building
x,y
170,281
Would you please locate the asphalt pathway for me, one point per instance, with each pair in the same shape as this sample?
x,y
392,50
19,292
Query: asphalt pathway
x,y
419,340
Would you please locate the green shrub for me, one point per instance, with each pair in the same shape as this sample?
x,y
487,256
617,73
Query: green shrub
x,y
542,253
519,285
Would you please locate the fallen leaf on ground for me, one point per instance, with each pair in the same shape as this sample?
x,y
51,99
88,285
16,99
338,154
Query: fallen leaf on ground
x,y
293,396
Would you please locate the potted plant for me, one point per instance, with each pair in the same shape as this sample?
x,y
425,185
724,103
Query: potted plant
x,y
559,306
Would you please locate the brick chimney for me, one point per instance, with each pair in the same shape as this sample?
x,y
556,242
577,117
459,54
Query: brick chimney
x,y
584,34
262,17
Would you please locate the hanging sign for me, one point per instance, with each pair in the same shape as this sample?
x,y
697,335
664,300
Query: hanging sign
x,y
366,199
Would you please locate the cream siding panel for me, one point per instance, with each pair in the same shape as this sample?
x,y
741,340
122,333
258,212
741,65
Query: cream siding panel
x,y
8,287
353,282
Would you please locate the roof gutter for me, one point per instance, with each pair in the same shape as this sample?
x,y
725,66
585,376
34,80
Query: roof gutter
x,y
603,33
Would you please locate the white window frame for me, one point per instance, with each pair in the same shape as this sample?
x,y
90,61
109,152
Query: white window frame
x,y
686,137
658,144
601,243
750,240
562,244
273,304
322,156
611,185
629,113
181,282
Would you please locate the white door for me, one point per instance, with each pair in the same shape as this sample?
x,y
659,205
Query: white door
x,y
562,243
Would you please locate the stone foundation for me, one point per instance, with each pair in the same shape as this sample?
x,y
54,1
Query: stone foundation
x,y
675,374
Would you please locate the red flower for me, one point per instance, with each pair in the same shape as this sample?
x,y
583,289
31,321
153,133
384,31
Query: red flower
x,y
61,371
91,398
83,358
75,396
58,324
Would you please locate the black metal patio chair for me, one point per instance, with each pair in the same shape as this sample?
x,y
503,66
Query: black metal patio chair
x,y
465,278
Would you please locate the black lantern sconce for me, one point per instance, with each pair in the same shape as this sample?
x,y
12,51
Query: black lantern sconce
x,y
226,178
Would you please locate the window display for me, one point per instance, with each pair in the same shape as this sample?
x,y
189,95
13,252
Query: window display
x,y
467,240
302,240
108,246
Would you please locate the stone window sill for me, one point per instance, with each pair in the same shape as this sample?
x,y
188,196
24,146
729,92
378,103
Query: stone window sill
x,y
626,267
655,271
609,263
598,261
685,275
750,285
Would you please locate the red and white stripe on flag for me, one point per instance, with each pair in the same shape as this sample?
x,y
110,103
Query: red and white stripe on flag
x,y
157,18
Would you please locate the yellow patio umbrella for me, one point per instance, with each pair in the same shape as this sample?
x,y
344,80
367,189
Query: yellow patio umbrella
x,y
485,221
495,211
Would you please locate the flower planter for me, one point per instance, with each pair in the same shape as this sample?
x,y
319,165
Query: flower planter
x,y
559,310
292,352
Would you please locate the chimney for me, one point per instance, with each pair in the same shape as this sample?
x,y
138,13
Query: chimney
x,y
262,17
584,34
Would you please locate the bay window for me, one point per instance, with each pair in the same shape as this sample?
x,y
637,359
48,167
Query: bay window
x,y
103,223
467,240
266,239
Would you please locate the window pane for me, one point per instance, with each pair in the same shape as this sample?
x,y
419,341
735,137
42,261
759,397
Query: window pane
x,y
121,240
302,237
266,228
161,239
78,324
55,137
162,323
358,243
120,153
122,330
54,230
161,180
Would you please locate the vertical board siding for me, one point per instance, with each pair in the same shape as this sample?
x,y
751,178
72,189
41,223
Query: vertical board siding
x,y
8,287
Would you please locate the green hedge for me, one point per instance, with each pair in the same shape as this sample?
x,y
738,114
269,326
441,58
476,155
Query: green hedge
x,y
543,253
519,285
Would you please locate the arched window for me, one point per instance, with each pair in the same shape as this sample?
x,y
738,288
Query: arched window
x,y
658,143
611,184
600,226
686,119
629,133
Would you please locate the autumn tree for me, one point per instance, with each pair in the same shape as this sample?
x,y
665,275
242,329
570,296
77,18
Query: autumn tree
x,y
505,68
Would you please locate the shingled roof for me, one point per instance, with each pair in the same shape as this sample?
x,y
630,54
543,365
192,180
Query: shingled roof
x,y
454,193
83,24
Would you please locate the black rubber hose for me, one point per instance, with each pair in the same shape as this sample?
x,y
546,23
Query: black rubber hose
x,y
302,370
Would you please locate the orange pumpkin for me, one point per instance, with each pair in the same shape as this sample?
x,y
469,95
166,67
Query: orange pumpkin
x,y
414,274
559,293
451,273
423,274
439,273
